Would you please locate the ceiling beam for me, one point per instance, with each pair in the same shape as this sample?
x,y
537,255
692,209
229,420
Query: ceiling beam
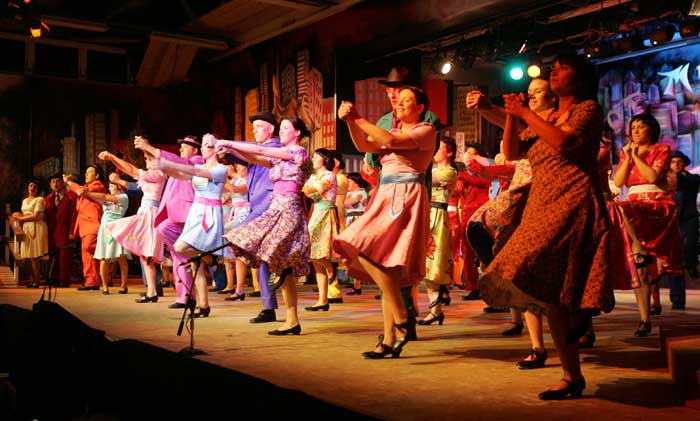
x,y
597,7
191,41
322,14
302,5
84,25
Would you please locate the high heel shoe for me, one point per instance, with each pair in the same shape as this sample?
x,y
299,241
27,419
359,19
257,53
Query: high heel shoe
x,y
317,308
644,329
355,291
642,260
573,389
537,362
400,342
386,350
435,318
125,290
226,291
515,330
201,312
586,341
296,330
655,309
235,296
147,299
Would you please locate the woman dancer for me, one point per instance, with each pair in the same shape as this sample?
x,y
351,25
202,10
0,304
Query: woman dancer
x,y
279,236
36,241
388,243
355,202
439,263
108,250
240,209
323,224
650,210
137,233
536,268
204,227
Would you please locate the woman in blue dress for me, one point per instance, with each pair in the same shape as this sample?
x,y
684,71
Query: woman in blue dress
x,y
204,227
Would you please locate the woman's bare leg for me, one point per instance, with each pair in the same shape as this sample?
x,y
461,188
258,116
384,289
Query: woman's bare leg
x,y
558,319
289,294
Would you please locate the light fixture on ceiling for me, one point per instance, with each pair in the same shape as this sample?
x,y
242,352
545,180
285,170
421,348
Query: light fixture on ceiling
x,y
534,69
662,34
446,67
515,71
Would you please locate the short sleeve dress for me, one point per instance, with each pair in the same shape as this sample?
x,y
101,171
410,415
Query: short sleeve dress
x,y
107,248
36,240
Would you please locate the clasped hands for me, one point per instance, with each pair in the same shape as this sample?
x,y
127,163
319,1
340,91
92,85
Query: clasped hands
x,y
513,104
347,111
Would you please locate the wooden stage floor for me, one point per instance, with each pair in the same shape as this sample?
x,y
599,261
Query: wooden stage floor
x,y
464,369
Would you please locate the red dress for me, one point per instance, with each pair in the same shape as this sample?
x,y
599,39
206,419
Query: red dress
x,y
652,213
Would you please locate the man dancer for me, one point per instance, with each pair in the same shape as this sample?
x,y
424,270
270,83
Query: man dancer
x,y
265,129
87,224
60,215
174,206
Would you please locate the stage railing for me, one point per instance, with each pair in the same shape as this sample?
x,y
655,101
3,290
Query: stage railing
x,y
13,238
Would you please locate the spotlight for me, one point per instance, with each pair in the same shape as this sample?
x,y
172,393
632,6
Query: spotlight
x,y
35,32
534,70
689,28
516,72
594,50
662,35
446,67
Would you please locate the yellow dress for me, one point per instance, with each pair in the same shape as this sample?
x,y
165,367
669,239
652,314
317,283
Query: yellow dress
x,y
439,263
36,240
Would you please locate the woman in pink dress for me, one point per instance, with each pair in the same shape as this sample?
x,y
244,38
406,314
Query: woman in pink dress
x,y
137,233
388,243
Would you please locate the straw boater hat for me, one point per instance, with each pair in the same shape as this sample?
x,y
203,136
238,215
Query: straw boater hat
x,y
190,140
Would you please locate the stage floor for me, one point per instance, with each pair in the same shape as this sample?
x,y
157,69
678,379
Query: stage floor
x,y
462,370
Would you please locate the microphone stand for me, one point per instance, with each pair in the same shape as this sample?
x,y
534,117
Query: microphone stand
x,y
49,280
191,351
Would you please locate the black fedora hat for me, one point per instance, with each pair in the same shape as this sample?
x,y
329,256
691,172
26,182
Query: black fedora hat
x,y
190,140
400,76
681,155
264,116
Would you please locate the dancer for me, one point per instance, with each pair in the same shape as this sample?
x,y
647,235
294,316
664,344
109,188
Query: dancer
x,y
60,213
492,224
279,236
137,233
536,268
36,241
240,209
204,227
355,202
323,224
87,225
650,210
439,263
108,250
177,199
388,243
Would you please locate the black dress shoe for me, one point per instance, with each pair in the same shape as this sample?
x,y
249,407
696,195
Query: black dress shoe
x,y
296,330
573,389
215,289
265,316
235,296
147,299
201,312
386,350
254,294
124,290
92,288
105,292
335,300
515,330
644,329
317,308
490,309
537,361
472,296
586,341
177,305
678,306
355,291
227,291
427,322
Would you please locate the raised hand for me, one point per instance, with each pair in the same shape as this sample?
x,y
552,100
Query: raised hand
x,y
473,166
513,104
104,155
114,178
141,143
347,110
223,146
476,99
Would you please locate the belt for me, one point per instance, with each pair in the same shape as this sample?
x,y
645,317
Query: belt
x,y
150,203
324,205
354,213
208,203
402,178
438,205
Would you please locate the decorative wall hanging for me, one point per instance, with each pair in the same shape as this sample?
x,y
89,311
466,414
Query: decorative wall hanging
x,y
251,107
264,88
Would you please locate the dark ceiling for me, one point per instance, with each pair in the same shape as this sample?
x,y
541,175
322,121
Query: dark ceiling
x,y
476,29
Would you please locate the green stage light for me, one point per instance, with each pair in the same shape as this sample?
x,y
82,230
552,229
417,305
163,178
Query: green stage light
x,y
516,72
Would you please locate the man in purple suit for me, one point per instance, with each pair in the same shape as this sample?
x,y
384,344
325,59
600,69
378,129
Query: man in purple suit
x,y
174,207
265,129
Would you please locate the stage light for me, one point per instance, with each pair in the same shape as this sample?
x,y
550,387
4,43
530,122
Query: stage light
x,y
35,32
662,35
446,67
516,72
534,70
688,28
